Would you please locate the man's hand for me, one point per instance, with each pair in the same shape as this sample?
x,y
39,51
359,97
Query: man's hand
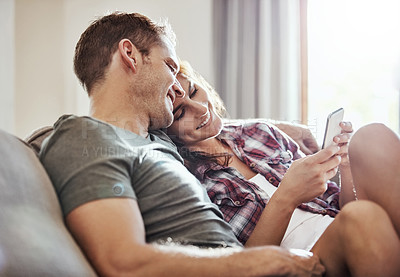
x,y
295,262
309,262
301,135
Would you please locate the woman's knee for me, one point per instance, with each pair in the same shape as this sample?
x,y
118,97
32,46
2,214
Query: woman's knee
x,y
365,227
374,136
361,214
371,130
364,137
372,150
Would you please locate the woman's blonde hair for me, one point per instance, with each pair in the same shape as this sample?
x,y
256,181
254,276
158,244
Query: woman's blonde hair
x,y
187,71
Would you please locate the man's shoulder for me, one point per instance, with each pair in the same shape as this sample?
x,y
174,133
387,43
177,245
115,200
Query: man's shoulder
x,y
73,132
93,130
167,145
161,136
82,124
80,133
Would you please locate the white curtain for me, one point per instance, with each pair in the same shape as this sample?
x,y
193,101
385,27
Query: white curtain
x,y
257,57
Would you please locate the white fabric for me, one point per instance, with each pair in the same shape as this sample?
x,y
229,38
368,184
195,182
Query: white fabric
x,y
304,228
257,57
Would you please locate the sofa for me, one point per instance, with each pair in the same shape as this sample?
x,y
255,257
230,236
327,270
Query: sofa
x,y
33,238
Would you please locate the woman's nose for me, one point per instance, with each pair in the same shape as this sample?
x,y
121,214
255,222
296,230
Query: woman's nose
x,y
201,108
177,88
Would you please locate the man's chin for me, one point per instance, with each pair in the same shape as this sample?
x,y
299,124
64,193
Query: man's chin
x,y
161,123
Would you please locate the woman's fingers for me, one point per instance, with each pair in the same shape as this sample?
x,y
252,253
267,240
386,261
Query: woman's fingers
x,y
342,138
324,164
344,149
347,130
331,166
343,141
346,126
331,173
323,155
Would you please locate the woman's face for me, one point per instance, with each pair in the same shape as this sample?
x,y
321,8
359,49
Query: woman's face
x,y
195,119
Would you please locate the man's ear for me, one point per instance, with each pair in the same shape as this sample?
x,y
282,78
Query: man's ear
x,y
129,54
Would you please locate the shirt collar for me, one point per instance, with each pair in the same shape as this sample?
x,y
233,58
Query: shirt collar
x,y
226,136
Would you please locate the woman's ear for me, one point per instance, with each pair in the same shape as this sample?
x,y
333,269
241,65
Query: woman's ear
x,y
129,53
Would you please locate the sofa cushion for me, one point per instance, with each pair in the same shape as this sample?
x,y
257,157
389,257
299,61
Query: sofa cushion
x,y
33,238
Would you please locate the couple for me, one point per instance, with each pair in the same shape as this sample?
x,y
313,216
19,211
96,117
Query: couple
x,y
133,207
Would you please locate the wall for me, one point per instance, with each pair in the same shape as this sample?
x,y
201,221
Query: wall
x,y
39,76
7,65
46,32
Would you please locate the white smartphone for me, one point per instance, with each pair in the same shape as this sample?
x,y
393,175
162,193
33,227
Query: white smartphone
x,y
332,128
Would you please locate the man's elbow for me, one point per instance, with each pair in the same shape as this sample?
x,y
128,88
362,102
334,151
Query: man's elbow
x,y
135,261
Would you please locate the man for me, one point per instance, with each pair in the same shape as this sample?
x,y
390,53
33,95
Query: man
x,y
127,198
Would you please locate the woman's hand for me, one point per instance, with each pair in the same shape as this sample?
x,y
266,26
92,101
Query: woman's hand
x,y
307,177
343,141
347,191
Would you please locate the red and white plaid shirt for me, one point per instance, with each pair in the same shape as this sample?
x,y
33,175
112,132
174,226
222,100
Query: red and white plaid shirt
x,y
267,151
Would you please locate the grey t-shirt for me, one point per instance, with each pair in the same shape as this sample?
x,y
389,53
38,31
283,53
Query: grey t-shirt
x,y
88,159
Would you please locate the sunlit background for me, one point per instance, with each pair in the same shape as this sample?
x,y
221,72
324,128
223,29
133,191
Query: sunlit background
x,y
248,49
354,57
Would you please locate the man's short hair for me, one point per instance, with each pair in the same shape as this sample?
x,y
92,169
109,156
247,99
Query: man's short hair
x,y
94,50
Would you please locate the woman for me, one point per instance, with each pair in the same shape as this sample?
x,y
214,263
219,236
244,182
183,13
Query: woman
x,y
258,176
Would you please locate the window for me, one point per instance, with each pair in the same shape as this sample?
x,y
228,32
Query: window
x,y
353,61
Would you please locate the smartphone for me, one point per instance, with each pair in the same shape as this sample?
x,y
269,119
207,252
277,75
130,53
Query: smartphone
x,y
332,128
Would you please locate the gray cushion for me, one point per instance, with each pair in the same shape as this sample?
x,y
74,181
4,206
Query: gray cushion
x,y
33,238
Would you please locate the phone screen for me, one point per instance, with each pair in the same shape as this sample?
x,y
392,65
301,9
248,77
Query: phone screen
x,y
332,127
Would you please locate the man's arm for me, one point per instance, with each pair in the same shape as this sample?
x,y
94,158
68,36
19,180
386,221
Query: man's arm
x,y
300,134
111,233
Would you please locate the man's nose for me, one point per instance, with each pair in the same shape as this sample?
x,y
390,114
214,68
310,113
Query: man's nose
x,y
177,88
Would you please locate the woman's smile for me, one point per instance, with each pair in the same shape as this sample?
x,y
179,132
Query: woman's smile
x,y
205,121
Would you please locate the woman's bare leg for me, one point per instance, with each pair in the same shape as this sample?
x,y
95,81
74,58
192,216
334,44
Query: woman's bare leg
x,y
361,241
374,153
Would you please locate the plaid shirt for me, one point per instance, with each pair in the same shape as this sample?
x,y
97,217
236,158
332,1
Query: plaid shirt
x,y
268,151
